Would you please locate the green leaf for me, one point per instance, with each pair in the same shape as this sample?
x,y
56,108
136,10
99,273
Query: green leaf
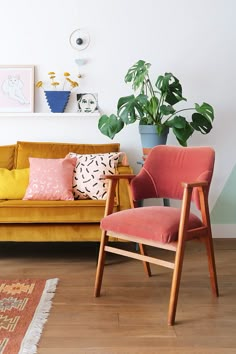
x,y
181,129
206,110
142,99
166,110
170,88
129,109
110,125
137,74
178,122
201,123
183,134
154,104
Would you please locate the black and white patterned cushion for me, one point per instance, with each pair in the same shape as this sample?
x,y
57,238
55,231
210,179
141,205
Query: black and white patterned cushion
x,y
87,181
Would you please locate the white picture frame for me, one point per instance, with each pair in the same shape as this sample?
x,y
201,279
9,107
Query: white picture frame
x,y
17,88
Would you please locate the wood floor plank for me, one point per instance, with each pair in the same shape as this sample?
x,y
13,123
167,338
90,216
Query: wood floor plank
x,y
130,317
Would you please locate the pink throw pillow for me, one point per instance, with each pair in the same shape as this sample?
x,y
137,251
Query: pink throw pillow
x,y
50,179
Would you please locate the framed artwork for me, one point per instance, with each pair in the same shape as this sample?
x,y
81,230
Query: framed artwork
x,y
16,88
87,102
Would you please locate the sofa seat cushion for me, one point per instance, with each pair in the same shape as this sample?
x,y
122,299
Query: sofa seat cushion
x,y
60,211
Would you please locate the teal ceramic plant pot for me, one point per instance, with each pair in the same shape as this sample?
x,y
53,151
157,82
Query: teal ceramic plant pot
x,y
57,100
150,138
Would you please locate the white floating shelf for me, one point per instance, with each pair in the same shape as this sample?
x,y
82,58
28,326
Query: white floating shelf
x,y
49,114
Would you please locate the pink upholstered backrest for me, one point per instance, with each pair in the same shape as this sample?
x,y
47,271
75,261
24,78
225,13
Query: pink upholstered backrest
x,y
166,167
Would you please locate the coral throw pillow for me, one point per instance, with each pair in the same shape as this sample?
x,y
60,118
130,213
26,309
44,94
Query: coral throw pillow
x,y
13,183
87,181
50,179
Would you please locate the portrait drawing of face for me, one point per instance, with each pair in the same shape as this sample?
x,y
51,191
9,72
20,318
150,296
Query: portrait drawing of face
x,y
87,103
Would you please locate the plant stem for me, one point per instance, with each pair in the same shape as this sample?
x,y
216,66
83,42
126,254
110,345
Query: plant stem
x,y
181,110
149,85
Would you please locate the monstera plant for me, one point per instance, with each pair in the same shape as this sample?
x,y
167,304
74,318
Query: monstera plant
x,y
154,104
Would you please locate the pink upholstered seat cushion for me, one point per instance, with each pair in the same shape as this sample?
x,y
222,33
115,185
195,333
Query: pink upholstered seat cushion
x,y
156,223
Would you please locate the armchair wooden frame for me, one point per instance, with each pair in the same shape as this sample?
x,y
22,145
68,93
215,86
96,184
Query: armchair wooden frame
x,y
185,234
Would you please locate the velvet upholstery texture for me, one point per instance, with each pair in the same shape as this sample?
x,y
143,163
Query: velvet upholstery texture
x,y
162,174
7,156
154,223
48,150
51,211
47,220
161,177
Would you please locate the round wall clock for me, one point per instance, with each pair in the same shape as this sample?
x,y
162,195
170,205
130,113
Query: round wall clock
x,y
79,39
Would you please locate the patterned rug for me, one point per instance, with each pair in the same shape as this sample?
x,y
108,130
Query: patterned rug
x,y
24,308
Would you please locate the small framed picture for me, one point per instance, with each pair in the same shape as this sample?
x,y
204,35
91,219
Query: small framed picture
x,y
87,102
16,88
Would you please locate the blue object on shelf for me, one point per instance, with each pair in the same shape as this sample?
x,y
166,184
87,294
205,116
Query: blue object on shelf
x,y
57,100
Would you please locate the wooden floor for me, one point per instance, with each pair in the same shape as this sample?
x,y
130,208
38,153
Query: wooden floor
x,y
131,315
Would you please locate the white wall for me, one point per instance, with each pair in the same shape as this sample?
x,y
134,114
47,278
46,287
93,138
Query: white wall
x,y
195,40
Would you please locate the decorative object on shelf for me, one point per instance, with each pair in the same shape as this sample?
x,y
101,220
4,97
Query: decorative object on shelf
x,y
79,39
58,99
154,105
17,88
80,61
87,102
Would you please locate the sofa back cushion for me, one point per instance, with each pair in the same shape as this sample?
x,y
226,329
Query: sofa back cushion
x,y
7,153
25,150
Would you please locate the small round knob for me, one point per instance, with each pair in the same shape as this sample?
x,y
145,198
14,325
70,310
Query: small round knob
x,y
79,41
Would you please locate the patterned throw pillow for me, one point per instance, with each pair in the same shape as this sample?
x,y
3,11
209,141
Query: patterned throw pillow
x,y
87,182
50,179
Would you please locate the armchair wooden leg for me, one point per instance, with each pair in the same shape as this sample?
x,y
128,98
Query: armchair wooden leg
x,y
100,265
211,264
146,265
179,257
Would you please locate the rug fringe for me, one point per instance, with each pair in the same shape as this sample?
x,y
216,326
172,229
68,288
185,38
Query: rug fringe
x,y
32,336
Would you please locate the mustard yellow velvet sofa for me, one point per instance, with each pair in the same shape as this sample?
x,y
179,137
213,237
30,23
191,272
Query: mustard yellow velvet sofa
x,y
40,221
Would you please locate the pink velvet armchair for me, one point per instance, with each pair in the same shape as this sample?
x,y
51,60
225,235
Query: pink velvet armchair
x,y
169,172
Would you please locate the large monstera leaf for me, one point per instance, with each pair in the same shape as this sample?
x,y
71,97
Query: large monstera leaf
x,y
181,129
130,108
110,125
137,74
170,88
202,120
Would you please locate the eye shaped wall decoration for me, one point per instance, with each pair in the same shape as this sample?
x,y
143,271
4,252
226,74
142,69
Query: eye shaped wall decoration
x,y
79,39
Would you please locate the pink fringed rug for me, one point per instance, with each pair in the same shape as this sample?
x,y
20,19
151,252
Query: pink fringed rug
x,y
24,308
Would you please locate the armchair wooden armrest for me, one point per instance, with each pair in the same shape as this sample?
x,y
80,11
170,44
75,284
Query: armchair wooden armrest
x,y
194,184
202,204
113,180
